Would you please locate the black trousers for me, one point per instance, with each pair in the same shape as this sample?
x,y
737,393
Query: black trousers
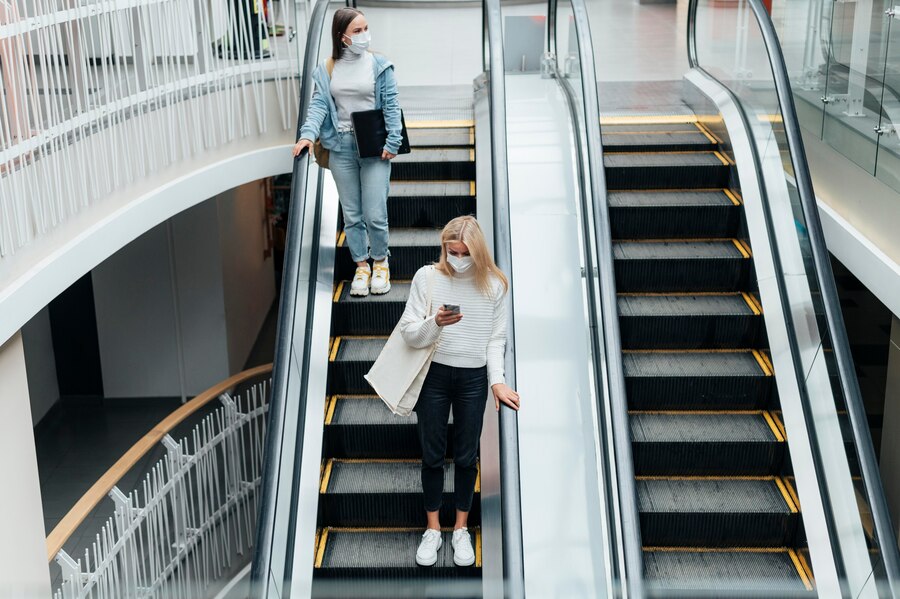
x,y
465,390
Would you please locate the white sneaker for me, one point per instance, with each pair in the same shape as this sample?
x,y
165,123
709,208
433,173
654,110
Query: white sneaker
x,y
360,284
381,277
463,554
428,548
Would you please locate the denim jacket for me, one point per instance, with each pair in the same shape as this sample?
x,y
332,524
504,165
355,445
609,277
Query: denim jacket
x,y
322,118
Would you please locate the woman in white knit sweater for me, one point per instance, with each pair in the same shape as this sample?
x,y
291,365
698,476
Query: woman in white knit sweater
x,y
469,356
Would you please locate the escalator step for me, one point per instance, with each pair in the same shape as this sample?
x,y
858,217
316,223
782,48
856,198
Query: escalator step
x,y
410,249
769,573
429,212
369,315
667,214
686,321
716,512
383,493
423,137
705,443
432,188
697,380
350,360
655,141
666,170
363,427
386,554
434,164
685,127
681,265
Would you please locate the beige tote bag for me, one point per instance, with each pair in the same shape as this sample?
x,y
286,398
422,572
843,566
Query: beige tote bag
x,y
400,370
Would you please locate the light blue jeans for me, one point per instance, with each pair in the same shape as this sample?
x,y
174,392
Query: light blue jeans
x,y
363,185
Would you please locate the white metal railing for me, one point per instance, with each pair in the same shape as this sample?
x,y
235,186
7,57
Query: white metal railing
x,y
98,94
190,520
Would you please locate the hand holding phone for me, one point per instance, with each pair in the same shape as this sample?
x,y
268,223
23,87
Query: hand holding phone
x,y
447,315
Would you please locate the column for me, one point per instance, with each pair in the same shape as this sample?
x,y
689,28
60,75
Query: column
x,y
23,554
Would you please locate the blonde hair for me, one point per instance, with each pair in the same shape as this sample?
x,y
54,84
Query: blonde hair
x,y
466,229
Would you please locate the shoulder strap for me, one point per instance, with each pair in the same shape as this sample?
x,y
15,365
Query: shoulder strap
x,y
429,287
329,66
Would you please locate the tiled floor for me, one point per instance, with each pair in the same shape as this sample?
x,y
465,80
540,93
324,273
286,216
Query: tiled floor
x,y
78,441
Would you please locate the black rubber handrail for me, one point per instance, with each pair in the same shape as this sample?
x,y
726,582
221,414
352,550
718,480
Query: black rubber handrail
x,y
287,331
603,311
510,488
889,553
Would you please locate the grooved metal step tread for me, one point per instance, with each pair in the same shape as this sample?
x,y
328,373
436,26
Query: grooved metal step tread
x,y
399,293
369,476
649,128
684,305
666,198
629,139
691,364
368,411
677,249
711,427
644,159
770,571
368,549
711,495
356,349
431,188
421,154
430,137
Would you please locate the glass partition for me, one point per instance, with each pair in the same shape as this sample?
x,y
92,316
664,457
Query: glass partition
x,y
736,44
844,65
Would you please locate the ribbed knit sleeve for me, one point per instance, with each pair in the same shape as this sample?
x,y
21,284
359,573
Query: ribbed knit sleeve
x,y
417,330
496,346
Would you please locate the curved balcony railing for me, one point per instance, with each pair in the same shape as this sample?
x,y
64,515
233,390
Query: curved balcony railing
x,y
97,96
189,523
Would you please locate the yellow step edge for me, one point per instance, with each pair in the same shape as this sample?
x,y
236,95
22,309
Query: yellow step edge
x,y
786,495
337,292
735,197
326,476
792,491
679,294
478,547
350,529
763,363
801,571
688,351
650,119
707,133
715,153
757,310
358,337
697,477
779,422
321,542
341,239
810,579
655,132
773,427
699,412
334,349
329,409
669,190
742,248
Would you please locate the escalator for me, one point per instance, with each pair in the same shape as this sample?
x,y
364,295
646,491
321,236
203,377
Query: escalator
x,y
371,515
714,496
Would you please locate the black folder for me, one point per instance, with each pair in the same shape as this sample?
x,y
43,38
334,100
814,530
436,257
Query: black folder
x,y
371,133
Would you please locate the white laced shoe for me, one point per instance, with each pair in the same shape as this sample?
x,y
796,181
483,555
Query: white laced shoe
x,y
428,548
381,277
360,284
463,554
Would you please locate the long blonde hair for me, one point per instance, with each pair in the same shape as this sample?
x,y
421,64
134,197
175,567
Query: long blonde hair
x,y
467,230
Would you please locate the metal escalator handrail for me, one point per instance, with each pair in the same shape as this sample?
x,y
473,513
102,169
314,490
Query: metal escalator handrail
x,y
510,489
890,555
287,330
608,352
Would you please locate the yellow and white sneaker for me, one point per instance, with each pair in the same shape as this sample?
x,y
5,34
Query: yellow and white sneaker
x,y
381,277
360,285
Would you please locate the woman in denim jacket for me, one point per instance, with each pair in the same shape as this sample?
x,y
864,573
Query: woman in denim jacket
x,y
360,80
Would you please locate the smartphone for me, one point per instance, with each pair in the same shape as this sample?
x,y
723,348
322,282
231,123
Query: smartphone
x,y
451,308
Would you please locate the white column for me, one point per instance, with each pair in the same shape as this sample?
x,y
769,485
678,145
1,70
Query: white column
x,y
23,553
890,433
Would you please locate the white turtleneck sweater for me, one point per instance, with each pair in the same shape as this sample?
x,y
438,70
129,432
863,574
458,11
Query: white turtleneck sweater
x,y
478,339
353,86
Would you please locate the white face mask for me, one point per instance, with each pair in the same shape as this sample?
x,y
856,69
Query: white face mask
x,y
460,263
360,42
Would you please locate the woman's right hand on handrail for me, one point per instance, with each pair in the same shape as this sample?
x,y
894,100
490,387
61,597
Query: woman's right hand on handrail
x,y
300,145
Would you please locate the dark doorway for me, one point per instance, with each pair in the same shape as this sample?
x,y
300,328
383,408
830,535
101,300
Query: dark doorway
x,y
73,323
